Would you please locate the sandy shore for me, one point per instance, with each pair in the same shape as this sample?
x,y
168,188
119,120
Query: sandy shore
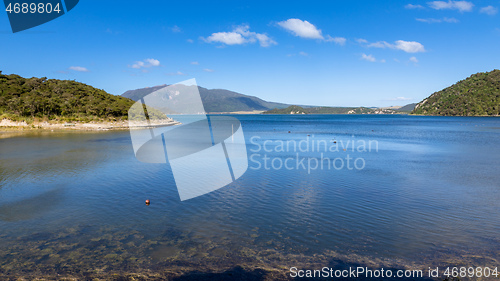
x,y
7,124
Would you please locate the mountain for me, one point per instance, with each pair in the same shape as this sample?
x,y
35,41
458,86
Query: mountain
x,y
217,100
53,99
478,95
140,93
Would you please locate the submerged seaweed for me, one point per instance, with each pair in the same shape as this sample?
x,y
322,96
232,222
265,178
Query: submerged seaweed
x,y
79,252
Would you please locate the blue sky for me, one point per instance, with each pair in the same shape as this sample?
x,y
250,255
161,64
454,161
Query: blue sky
x,y
332,53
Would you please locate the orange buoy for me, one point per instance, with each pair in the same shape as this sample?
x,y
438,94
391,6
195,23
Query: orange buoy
x,y
148,202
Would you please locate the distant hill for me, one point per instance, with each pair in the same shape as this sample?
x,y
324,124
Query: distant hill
x,y
339,110
217,100
478,95
293,109
53,99
407,108
221,101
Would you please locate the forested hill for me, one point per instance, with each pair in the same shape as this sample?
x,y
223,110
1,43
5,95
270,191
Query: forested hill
x,y
217,100
57,99
478,95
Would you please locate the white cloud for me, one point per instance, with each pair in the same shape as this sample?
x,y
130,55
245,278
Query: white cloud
x,y
411,6
152,62
176,29
240,35
432,20
414,59
380,44
208,70
137,64
301,28
489,10
429,20
369,58
301,53
228,38
407,46
462,6
195,63
190,41
176,73
361,41
79,68
145,63
338,40
264,40
400,99
307,30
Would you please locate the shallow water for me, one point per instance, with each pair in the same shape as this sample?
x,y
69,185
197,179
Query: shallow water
x,y
73,202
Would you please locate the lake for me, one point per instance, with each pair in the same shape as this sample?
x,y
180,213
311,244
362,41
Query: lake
x,y
417,192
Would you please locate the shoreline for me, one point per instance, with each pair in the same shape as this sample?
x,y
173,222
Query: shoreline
x,y
9,125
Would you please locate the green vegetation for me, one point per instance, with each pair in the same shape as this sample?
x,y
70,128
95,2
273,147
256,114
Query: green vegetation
x,y
293,109
30,99
138,110
478,95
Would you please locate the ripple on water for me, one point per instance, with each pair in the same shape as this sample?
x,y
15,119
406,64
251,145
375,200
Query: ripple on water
x,y
76,201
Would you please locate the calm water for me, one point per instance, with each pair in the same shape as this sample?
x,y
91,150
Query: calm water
x,y
73,202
